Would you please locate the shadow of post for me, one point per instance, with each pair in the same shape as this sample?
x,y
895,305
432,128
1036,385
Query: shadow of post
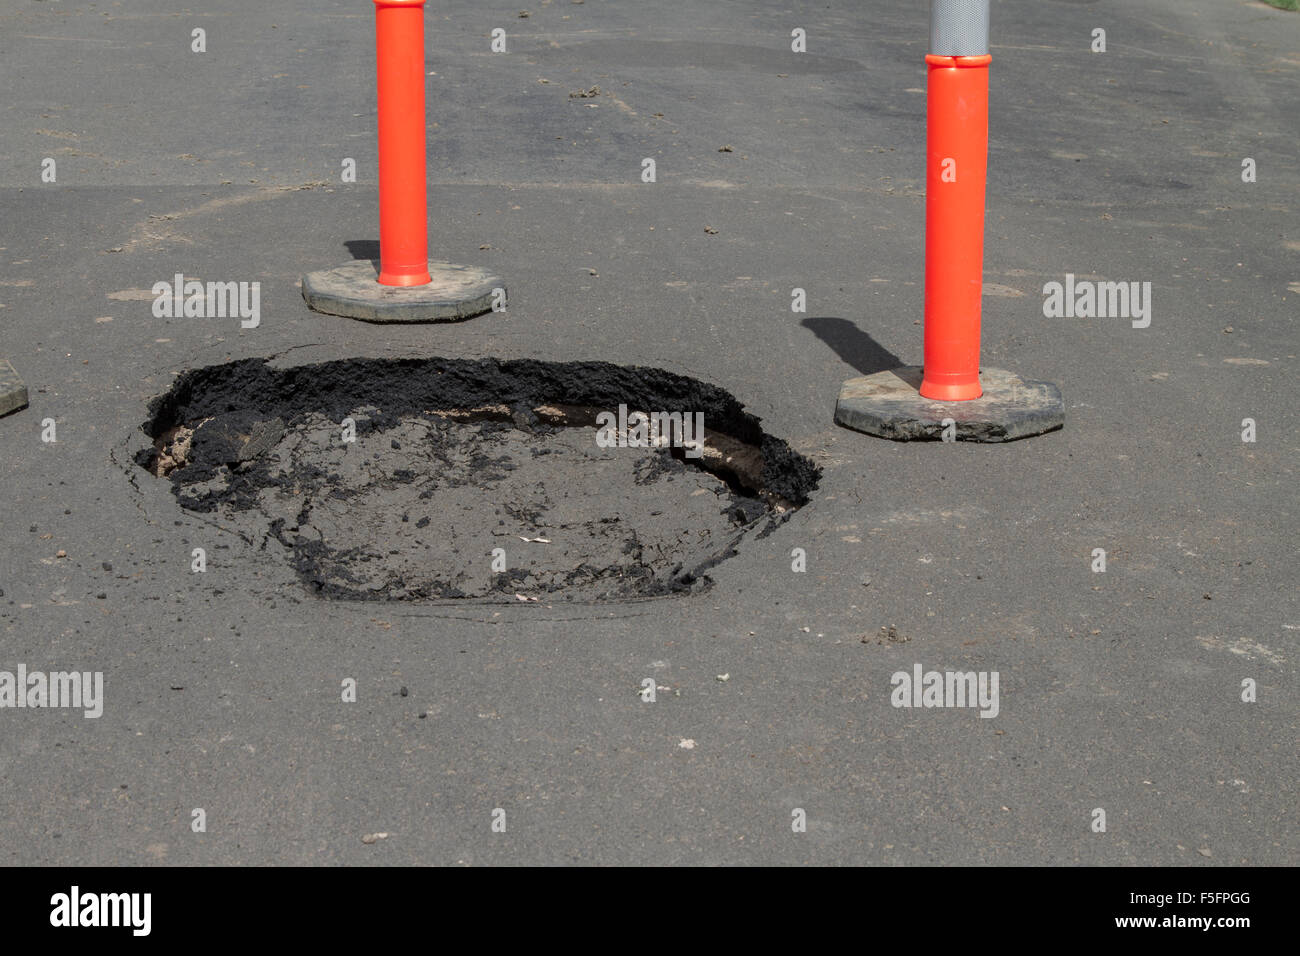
x,y
851,344
364,249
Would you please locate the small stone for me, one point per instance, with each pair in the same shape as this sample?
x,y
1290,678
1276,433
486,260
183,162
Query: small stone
x,y
63,554
404,692
107,566
101,596
370,838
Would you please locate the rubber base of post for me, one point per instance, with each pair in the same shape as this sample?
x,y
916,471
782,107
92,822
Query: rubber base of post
x,y
889,405
352,290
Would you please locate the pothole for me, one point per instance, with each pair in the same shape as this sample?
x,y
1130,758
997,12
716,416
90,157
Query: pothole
x,y
430,479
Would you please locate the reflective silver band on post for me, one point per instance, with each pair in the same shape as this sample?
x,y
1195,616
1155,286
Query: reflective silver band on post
x,y
959,27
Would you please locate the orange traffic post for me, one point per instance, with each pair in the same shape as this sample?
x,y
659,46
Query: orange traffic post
x,y
403,286
950,397
403,210
956,157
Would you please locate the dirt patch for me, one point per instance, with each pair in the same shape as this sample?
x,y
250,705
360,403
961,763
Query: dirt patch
x,y
444,478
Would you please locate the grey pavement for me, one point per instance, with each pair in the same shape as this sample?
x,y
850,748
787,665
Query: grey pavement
x,y
1119,690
